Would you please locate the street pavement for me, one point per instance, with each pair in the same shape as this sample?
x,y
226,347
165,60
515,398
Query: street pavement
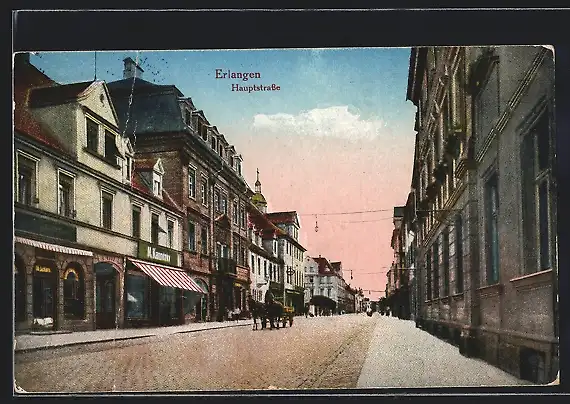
x,y
29,342
346,351
402,355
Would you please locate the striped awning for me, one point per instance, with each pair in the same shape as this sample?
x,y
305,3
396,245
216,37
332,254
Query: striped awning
x,y
168,276
52,247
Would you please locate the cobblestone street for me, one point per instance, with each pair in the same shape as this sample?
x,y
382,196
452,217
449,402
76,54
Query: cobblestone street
x,y
323,352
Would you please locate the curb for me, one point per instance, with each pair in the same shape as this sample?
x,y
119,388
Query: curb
x,y
46,347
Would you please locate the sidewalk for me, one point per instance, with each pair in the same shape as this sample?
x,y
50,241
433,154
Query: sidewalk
x,y
32,342
401,355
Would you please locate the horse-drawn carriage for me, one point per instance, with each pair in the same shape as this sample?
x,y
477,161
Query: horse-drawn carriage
x,y
274,313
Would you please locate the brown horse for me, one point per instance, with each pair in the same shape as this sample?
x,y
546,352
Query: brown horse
x,y
257,310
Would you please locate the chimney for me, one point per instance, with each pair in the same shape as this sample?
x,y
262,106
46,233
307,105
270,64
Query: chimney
x,y
132,69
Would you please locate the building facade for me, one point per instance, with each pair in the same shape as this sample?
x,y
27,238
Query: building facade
x,y
78,239
485,208
203,175
292,254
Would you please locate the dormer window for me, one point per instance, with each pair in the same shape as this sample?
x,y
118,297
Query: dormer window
x,y
188,117
204,132
157,186
128,167
213,142
110,146
231,161
92,136
238,167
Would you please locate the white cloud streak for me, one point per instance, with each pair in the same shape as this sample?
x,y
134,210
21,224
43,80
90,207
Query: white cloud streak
x,y
336,121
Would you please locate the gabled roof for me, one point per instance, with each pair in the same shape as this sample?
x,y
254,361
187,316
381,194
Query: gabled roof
x,y
324,265
139,183
146,164
283,217
27,77
66,93
56,95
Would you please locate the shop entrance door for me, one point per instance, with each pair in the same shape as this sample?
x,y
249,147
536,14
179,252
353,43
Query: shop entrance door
x,y
104,296
45,293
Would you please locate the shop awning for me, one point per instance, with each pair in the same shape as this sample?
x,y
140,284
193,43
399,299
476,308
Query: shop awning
x,y
168,276
52,247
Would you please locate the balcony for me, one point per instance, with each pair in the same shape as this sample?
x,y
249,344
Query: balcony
x,y
227,266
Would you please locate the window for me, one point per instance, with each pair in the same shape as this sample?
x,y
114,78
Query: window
x,y
137,291
265,269
235,213
235,248
231,161
225,204
243,256
65,197
252,263
239,167
73,294
170,234
128,167
192,182
204,240
242,217
536,163
492,232
217,201
154,228
446,262
156,187
92,136
110,147
213,143
428,275
204,192
259,266
107,210
191,236
487,106
204,131
136,219
188,117
26,179
459,254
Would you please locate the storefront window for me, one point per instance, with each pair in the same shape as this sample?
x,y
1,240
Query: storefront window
x,y
167,303
137,287
73,293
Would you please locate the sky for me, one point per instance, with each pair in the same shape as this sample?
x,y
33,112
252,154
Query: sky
x,y
337,137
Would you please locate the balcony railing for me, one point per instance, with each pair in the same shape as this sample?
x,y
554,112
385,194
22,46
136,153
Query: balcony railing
x,y
227,266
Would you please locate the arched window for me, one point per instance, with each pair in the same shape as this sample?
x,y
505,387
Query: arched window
x,y
74,293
